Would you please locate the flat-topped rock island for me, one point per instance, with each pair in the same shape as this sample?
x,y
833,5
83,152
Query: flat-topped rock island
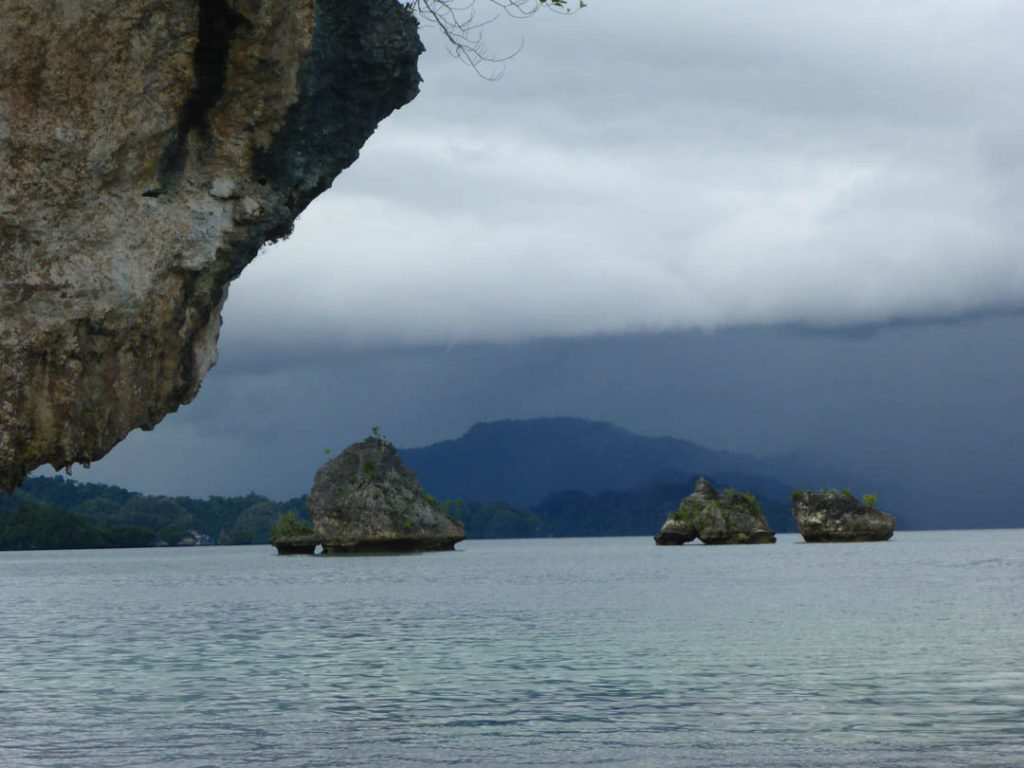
x,y
836,516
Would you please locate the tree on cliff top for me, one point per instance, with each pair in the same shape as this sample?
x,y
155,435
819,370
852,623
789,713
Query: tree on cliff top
x,y
461,26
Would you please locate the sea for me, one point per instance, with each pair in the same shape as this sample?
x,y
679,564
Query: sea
x,y
554,652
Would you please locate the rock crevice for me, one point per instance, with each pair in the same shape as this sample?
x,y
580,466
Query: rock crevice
x,y
216,28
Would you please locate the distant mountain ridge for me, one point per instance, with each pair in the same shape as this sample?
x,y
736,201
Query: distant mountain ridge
x,y
523,461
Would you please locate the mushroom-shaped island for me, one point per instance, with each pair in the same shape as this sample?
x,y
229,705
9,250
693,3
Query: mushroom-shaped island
x,y
366,500
726,517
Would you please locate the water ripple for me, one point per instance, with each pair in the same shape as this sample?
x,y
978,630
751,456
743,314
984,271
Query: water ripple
x,y
602,652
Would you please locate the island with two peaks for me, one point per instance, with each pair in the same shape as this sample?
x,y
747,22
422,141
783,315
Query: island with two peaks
x,y
727,517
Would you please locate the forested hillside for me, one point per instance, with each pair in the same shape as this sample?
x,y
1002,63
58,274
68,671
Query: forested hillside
x,y
55,513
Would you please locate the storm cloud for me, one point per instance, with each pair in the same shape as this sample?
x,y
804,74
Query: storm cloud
x,y
659,166
925,415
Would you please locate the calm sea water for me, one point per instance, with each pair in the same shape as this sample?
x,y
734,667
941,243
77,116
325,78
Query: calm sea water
x,y
579,652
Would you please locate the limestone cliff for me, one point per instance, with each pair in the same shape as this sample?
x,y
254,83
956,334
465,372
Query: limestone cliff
x,y
148,148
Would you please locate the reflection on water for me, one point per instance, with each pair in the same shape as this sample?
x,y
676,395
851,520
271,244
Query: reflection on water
x,y
581,652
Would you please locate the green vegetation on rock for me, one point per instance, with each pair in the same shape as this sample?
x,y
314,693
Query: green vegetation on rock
x,y
290,524
716,517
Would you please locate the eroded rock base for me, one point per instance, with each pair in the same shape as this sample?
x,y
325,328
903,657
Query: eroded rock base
x,y
389,547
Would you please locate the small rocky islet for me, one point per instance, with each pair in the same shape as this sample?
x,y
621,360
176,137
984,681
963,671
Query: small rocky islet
x,y
839,516
734,517
292,536
717,517
367,500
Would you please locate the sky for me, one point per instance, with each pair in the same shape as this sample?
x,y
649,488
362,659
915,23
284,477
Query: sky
x,y
784,227
667,165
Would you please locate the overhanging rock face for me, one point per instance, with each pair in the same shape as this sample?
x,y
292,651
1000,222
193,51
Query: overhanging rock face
x,y
148,148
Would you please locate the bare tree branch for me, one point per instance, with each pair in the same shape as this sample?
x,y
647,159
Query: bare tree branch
x,y
462,28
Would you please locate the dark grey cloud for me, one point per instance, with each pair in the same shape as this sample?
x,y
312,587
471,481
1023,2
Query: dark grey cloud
x,y
697,165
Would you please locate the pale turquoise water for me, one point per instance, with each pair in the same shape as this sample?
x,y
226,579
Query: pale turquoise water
x,y
581,652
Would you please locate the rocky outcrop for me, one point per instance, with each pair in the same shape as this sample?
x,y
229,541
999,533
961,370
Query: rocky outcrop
x,y
675,531
292,536
727,517
366,500
148,148
839,516
295,544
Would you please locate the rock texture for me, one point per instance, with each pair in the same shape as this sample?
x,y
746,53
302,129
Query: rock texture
x,y
295,544
676,532
366,500
292,536
729,517
148,148
839,516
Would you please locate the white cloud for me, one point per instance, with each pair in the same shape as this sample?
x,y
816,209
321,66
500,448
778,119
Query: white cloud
x,y
675,165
